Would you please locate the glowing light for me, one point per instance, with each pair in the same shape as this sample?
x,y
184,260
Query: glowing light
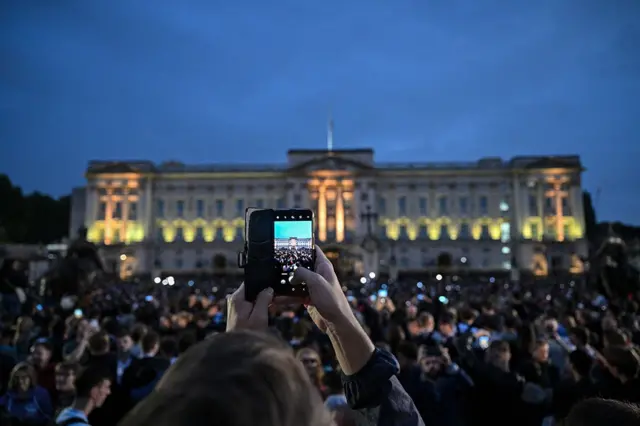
x,y
157,280
372,275
123,257
439,277
363,280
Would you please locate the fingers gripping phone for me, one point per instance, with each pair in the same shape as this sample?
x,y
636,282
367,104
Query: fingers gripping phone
x,y
277,242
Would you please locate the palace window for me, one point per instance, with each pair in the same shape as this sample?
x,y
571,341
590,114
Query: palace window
x,y
465,232
219,208
423,232
404,235
200,208
239,235
116,235
117,210
549,206
199,233
535,231
159,234
382,205
402,206
442,204
133,211
219,233
280,204
423,206
179,234
533,205
180,208
464,205
444,232
483,205
160,209
260,203
566,207
102,210
484,233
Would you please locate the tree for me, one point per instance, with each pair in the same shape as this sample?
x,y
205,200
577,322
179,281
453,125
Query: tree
x,y
590,220
31,219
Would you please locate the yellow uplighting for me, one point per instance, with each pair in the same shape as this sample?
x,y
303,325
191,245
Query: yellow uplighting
x,y
393,227
574,230
98,232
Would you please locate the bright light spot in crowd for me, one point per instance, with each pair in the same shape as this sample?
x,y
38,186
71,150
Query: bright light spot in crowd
x,y
372,275
157,280
123,257
463,259
165,282
214,289
492,280
190,283
363,280
439,277
171,281
419,285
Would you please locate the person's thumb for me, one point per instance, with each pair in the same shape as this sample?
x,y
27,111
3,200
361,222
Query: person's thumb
x,y
305,276
263,300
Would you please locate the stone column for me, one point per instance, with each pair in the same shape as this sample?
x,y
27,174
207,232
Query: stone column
x,y
322,212
577,208
339,214
540,204
148,211
557,194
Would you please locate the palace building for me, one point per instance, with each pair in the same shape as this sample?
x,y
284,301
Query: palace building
x,y
487,215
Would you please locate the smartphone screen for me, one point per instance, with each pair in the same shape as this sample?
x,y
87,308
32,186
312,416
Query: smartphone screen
x,y
293,243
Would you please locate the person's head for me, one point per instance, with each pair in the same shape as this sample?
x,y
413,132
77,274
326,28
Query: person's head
x,y
240,378
124,342
22,378
623,362
150,343
426,322
93,386
597,412
407,354
66,373
499,353
99,343
447,324
580,364
579,336
169,348
551,326
293,242
614,337
41,354
540,351
138,331
311,362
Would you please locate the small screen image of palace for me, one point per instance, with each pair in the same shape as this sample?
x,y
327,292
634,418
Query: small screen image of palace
x,y
490,215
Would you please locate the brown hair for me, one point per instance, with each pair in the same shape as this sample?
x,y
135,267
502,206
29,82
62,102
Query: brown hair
x,y
19,368
596,412
240,378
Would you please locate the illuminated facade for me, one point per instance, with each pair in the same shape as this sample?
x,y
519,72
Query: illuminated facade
x,y
485,214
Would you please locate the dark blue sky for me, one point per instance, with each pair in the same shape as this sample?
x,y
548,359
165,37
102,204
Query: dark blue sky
x,y
243,81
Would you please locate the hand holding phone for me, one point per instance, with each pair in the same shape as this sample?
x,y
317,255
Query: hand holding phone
x,y
278,242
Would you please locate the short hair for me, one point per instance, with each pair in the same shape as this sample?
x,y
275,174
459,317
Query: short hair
x,y
150,341
240,378
99,343
68,366
89,378
597,411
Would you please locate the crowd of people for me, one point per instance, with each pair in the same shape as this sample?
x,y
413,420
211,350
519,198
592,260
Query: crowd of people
x,y
292,257
501,353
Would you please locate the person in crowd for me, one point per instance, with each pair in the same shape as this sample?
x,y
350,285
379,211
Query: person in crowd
x,y
93,386
25,402
137,333
65,393
42,360
314,368
603,412
336,397
145,372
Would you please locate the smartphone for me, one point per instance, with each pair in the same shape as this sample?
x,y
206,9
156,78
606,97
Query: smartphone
x,y
383,293
277,243
78,313
483,342
148,298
